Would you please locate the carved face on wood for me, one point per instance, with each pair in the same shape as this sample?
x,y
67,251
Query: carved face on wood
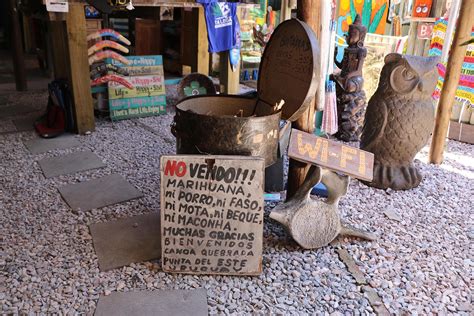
x,y
407,74
356,34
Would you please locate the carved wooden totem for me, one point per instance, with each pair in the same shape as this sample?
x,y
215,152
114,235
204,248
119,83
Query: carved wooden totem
x,y
399,119
351,100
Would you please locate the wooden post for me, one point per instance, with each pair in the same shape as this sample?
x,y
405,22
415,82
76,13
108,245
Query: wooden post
x,y
202,44
229,80
412,38
285,13
59,50
17,49
451,80
309,12
194,43
79,68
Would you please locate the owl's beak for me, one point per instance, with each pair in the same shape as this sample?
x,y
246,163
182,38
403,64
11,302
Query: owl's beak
x,y
420,86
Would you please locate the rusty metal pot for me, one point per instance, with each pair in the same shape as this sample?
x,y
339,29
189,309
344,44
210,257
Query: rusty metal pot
x,y
236,125
225,125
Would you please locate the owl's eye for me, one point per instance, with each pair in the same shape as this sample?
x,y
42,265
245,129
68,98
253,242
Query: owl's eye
x,y
408,74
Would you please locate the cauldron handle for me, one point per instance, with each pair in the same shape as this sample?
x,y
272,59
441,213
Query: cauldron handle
x,y
173,128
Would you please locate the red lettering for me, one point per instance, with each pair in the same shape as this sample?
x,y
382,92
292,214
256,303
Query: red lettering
x,y
173,167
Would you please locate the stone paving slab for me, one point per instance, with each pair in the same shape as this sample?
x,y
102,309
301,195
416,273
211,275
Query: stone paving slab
x,y
14,110
125,241
144,303
97,193
26,123
71,163
42,145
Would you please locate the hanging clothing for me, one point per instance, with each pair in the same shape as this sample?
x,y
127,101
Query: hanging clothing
x,y
222,25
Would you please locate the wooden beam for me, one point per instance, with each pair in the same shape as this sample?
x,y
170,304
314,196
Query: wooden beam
x,y
17,48
309,12
451,80
79,68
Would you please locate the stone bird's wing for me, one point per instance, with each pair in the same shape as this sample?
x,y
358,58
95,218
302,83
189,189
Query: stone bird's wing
x,y
374,123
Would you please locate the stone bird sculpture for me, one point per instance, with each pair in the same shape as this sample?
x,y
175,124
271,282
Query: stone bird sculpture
x,y
315,223
400,119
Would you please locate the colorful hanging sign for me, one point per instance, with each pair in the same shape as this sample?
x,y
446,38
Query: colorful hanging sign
x,y
147,95
465,90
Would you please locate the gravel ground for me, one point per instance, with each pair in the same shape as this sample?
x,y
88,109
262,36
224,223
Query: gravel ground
x,y
420,264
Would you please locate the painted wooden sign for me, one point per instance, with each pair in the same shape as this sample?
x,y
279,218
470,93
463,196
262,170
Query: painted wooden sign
x,y
146,97
212,214
138,61
332,155
143,86
424,30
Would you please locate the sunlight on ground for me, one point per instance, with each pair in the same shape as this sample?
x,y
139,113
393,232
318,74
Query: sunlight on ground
x,y
451,158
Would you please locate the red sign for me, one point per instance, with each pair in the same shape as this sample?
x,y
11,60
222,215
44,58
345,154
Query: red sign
x,y
425,30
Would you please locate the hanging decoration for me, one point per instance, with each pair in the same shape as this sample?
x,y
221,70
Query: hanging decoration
x,y
106,44
465,90
107,54
329,124
108,32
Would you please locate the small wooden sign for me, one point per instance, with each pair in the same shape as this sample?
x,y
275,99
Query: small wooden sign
x,y
424,30
332,155
212,214
57,5
143,86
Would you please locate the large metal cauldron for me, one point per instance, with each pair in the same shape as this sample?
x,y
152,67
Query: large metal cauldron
x,y
225,125
235,125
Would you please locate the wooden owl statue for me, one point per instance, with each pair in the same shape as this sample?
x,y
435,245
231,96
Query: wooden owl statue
x,y
400,119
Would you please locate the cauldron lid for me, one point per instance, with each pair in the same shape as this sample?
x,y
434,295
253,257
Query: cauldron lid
x,y
289,69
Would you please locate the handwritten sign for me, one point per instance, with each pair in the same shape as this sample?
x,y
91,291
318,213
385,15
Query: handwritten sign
x,y
332,155
212,214
147,97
